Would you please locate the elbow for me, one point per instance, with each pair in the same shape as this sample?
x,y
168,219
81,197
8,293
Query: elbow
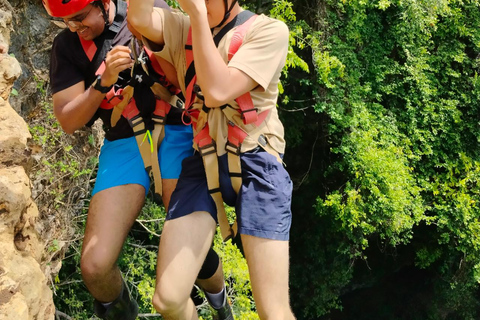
x,y
68,129
215,99
67,126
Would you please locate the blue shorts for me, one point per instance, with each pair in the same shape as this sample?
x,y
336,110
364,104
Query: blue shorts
x,y
120,161
264,201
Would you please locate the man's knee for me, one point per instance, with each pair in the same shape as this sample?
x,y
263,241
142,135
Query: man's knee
x,y
167,301
96,267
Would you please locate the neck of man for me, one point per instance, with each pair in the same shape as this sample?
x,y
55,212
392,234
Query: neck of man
x,y
112,11
233,13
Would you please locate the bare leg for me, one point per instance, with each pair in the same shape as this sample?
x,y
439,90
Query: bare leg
x,y
215,283
183,247
268,266
111,215
168,185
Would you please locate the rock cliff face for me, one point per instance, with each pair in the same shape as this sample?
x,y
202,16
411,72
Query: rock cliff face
x,y
24,293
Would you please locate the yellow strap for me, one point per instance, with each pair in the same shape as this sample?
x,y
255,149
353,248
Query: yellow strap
x,y
149,151
144,148
235,170
165,95
156,139
268,148
210,162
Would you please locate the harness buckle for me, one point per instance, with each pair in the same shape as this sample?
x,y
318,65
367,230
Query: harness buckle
x,y
233,148
243,112
118,96
180,104
158,119
198,91
208,149
262,140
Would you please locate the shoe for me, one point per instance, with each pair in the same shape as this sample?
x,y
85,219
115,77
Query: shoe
x,y
224,312
122,308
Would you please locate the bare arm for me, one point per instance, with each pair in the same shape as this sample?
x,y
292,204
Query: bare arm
x,y
145,20
75,106
220,84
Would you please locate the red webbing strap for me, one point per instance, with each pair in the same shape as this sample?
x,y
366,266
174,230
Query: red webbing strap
x,y
235,138
110,100
162,108
90,49
238,36
247,109
245,103
203,138
131,110
101,69
127,99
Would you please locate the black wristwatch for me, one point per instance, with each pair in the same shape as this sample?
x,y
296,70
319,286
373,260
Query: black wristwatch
x,y
97,85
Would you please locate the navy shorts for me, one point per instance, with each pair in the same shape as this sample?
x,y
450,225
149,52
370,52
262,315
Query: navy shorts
x,y
120,161
263,205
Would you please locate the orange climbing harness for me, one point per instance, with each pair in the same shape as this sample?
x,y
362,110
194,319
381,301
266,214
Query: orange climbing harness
x,y
207,147
123,104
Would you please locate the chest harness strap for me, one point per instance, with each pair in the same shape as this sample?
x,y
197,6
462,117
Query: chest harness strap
x,y
206,145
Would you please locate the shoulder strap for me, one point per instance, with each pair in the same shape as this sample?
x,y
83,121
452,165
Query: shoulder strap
x,y
245,103
239,35
120,17
91,48
238,20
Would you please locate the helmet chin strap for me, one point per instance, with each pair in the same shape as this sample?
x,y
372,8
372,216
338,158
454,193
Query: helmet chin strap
x,y
105,13
227,12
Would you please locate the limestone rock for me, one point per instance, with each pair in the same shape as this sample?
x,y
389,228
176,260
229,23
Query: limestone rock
x,y
14,135
24,293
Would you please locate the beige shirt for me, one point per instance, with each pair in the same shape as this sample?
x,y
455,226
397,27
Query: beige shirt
x,y
261,56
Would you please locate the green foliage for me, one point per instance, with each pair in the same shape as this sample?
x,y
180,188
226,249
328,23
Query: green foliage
x,y
395,88
380,102
64,164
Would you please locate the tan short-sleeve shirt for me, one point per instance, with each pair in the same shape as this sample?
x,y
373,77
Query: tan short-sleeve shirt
x,y
261,56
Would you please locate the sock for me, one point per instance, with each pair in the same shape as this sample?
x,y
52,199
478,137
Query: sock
x,y
216,299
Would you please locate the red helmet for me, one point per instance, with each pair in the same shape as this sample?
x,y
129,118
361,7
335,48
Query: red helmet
x,y
62,8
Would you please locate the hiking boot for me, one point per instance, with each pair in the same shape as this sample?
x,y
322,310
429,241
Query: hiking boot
x,y
122,308
224,312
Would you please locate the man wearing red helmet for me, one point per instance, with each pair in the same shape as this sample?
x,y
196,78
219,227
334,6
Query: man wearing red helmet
x,y
89,60
228,64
